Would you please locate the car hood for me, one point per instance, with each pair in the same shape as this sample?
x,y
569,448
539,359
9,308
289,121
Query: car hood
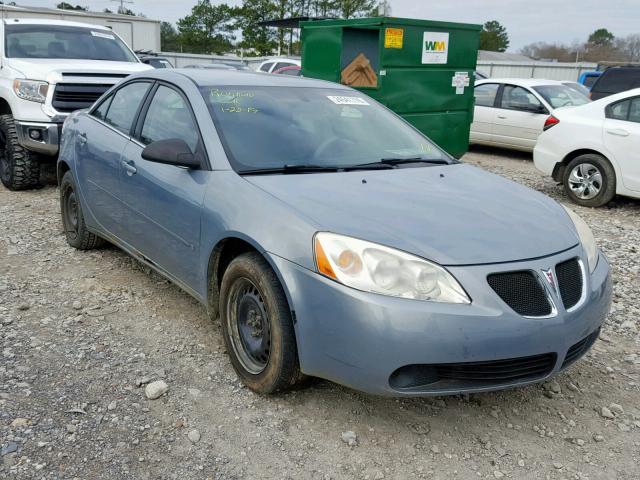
x,y
52,70
451,214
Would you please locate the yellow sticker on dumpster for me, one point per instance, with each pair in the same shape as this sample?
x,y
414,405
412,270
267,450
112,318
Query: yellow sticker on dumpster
x,y
393,37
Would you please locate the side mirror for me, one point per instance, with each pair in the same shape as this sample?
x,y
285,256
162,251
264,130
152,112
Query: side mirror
x,y
173,151
539,108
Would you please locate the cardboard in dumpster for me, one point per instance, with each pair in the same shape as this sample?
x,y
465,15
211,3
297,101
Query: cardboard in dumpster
x,y
359,73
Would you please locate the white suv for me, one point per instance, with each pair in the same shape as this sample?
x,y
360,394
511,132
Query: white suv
x,y
49,69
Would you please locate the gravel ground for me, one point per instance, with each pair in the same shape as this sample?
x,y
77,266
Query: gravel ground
x,y
82,334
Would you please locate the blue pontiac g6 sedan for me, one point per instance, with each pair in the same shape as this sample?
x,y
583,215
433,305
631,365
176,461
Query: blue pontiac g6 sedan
x,y
331,238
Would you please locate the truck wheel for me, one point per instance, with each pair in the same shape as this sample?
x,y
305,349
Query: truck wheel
x,y
19,168
78,236
589,180
257,326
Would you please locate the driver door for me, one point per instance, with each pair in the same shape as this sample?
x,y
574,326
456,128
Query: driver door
x,y
163,202
519,118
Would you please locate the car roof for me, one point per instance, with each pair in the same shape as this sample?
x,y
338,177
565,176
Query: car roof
x,y
210,77
521,82
56,23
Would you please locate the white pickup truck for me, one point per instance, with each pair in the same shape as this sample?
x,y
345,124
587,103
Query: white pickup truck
x,y
47,70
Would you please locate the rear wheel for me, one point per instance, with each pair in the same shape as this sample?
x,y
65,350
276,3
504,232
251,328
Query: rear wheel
x,y
78,236
589,180
257,326
19,168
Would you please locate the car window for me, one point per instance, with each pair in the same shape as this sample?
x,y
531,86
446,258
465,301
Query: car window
x,y
486,94
266,67
617,80
589,80
559,96
294,72
518,98
634,110
169,117
282,65
124,105
619,110
101,110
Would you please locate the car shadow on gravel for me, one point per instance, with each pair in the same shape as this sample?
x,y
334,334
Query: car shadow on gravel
x,y
505,153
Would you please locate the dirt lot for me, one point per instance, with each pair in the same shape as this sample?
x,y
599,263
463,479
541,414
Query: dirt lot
x,y
80,332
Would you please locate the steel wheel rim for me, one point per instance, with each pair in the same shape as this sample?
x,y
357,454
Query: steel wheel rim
x,y
249,327
585,181
71,211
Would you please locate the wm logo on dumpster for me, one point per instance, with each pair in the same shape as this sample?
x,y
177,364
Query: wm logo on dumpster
x,y
435,47
432,46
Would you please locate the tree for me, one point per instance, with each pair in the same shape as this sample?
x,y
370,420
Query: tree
x,y
208,29
169,38
354,8
601,38
494,37
68,6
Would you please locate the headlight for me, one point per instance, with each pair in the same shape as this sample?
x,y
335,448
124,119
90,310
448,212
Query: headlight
x,y
31,90
586,238
375,268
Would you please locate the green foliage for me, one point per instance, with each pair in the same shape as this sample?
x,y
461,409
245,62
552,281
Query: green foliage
x,y
169,38
68,6
208,29
601,38
261,39
494,37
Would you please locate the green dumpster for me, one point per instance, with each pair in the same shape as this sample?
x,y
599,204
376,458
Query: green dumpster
x,y
423,70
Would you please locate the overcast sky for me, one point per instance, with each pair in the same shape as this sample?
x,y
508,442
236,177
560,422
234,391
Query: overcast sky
x,y
526,21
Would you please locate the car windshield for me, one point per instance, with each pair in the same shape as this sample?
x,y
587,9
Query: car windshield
x,y
277,127
562,96
53,41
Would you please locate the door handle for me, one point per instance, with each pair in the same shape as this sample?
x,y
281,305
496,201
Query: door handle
x,y
618,132
82,138
129,167
502,117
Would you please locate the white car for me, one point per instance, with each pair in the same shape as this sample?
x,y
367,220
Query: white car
x,y
510,113
594,150
273,64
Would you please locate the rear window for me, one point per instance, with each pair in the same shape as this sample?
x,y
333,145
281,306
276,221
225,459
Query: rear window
x,y
617,80
589,80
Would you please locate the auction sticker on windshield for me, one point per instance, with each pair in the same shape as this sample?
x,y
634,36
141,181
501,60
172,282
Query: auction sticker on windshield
x,y
339,100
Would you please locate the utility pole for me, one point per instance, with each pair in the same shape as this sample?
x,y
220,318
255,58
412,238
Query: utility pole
x,y
122,2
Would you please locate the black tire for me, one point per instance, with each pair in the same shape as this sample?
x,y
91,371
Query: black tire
x,y
262,350
594,173
19,168
75,229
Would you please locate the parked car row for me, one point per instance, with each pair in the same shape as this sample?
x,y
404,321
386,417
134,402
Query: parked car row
x,y
592,148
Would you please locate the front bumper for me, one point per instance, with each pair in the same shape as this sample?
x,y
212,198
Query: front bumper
x,y
360,339
48,140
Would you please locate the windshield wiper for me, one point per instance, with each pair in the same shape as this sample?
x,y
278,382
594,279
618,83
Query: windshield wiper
x,y
290,169
400,161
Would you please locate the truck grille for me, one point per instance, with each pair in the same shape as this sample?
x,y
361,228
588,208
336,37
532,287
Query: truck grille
x,y
570,280
473,374
522,291
68,97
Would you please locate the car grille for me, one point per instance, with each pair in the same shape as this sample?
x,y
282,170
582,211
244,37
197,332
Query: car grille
x,y
580,348
68,97
473,374
522,291
570,280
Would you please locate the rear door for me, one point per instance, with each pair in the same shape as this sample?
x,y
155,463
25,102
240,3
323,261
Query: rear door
x,y
163,203
519,118
484,113
622,138
102,137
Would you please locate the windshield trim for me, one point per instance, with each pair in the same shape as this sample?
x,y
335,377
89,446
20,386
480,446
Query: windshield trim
x,y
234,163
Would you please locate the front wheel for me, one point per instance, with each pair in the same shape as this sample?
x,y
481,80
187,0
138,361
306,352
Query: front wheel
x,y
589,180
19,168
257,326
